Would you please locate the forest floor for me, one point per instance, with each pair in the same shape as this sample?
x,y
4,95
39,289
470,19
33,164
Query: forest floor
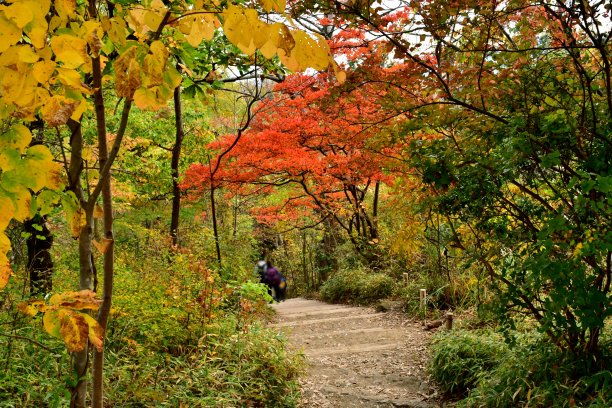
x,y
358,357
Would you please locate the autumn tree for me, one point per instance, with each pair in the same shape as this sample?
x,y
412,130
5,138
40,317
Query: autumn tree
x,y
314,146
509,121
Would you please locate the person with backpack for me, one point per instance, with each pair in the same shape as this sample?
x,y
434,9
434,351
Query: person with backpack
x,y
260,269
276,282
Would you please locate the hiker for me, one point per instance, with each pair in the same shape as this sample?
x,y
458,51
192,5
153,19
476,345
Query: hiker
x,y
276,282
260,269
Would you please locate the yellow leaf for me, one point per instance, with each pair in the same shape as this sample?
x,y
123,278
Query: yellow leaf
x,y
5,243
309,52
116,28
73,329
21,202
19,13
98,212
341,77
42,170
127,73
103,246
17,137
5,270
95,332
200,28
38,36
5,217
153,20
81,300
57,110
27,54
273,5
239,26
70,50
31,308
74,213
9,33
145,98
46,201
172,77
65,8
71,79
43,70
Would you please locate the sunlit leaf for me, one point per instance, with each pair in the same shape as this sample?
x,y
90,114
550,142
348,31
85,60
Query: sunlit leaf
x,y
5,270
31,308
81,300
273,5
71,51
43,70
17,137
95,332
9,33
19,13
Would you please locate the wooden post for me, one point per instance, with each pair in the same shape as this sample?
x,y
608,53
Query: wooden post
x,y
405,278
449,320
422,296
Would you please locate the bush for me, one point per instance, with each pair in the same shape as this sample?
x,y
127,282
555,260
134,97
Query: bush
x,y
357,286
537,374
485,370
460,357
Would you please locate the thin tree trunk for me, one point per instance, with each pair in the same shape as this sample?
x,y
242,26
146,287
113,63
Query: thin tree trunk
x,y
106,160
213,208
176,154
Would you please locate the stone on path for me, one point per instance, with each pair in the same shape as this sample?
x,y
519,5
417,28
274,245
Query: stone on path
x,y
357,357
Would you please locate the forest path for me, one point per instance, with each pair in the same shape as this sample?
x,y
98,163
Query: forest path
x,y
356,356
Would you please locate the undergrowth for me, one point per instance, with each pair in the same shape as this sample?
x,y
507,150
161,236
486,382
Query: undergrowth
x,y
485,371
357,286
180,335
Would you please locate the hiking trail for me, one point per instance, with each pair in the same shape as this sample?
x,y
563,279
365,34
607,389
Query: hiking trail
x,y
358,357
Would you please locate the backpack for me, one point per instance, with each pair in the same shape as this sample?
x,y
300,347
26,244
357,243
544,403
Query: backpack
x,y
273,276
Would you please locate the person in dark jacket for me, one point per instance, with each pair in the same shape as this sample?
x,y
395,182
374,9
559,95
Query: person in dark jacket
x,y
276,281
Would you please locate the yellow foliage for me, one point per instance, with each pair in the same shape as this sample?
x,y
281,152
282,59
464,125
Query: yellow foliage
x,y
58,109
63,319
19,13
273,5
9,33
43,70
5,270
71,51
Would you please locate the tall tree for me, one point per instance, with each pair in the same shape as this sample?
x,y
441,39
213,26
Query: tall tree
x,y
510,109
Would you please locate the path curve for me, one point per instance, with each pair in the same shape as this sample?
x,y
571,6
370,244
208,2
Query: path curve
x,y
357,357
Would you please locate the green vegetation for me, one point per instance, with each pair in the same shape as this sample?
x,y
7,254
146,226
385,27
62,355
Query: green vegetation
x,y
488,372
357,286
180,334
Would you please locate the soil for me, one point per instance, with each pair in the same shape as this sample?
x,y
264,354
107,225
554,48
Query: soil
x,y
358,357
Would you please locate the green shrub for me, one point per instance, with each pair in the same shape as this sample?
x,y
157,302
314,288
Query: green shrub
x,y
357,286
485,370
460,357
536,374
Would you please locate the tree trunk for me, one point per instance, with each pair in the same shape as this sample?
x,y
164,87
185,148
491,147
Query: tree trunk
x,y
213,209
40,264
176,154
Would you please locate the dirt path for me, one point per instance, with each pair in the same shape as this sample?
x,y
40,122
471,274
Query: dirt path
x,y
358,357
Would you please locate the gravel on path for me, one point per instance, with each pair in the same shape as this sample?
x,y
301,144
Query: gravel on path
x,y
358,357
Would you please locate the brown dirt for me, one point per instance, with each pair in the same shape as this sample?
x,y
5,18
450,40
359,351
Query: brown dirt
x,y
358,357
